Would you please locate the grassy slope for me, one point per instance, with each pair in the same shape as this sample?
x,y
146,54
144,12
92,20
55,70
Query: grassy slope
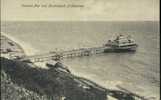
x,y
22,82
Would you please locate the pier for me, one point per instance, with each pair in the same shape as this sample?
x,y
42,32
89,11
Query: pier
x,y
12,50
65,54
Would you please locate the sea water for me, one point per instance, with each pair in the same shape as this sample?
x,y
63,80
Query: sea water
x,y
137,72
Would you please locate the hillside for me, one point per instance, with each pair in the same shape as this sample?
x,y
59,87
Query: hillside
x,y
19,81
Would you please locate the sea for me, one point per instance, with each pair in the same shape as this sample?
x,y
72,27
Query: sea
x,y
138,72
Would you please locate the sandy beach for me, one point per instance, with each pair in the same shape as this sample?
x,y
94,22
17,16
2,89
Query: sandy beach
x,y
28,49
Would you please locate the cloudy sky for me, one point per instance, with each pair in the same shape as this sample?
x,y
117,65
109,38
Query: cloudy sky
x,y
110,10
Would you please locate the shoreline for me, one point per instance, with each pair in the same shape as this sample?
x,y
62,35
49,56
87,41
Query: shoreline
x,y
27,49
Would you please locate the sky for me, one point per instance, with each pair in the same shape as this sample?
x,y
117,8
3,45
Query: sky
x,y
95,10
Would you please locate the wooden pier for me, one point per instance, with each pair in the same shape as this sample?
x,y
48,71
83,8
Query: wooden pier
x,y
65,54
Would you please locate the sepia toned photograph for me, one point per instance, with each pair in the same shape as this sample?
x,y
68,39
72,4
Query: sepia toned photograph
x,y
80,50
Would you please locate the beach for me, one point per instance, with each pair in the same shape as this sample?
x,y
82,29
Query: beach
x,y
28,49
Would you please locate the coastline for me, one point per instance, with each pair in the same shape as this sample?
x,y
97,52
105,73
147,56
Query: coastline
x,y
27,49
30,51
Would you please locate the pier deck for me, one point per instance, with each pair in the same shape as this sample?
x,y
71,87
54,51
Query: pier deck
x,y
65,54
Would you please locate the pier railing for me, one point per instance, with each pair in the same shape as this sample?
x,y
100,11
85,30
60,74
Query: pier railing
x,y
65,54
